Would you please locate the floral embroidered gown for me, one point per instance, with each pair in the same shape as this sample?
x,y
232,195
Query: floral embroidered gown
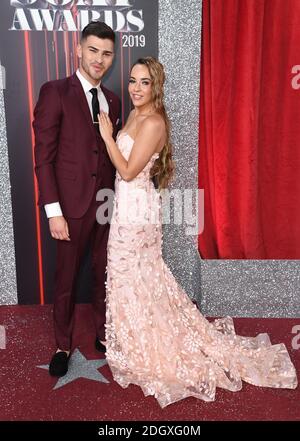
x,y
156,337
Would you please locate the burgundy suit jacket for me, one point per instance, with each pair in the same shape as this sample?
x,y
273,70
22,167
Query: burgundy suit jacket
x,y
70,155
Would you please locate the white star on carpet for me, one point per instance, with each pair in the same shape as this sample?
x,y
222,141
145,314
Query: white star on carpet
x,y
80,367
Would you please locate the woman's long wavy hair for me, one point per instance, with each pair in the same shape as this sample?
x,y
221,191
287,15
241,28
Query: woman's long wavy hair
x,y
163,168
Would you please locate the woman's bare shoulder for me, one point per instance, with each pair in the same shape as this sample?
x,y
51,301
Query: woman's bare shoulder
x,y
154,122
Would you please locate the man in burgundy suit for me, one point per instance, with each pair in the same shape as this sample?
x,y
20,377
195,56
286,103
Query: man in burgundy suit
x,y
72,164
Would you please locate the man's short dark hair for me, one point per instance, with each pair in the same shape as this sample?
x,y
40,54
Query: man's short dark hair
x,y
98,29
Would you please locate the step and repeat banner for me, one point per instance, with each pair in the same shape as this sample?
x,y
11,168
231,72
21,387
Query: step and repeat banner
x,y
38,40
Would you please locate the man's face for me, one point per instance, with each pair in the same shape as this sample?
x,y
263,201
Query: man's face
x,y
96,57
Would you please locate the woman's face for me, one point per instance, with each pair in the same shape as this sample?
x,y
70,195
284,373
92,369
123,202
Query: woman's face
x,y
140,86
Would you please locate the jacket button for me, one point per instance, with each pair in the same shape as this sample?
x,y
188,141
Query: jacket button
x,y
94,175
96,152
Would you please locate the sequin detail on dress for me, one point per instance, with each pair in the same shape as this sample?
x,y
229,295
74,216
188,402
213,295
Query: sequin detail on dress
x,y
156,337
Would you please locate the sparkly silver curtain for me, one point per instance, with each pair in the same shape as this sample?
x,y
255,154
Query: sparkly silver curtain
x,y
8,285
179,51
250,288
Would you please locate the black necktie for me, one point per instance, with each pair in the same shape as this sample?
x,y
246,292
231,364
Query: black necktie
x,y
95,104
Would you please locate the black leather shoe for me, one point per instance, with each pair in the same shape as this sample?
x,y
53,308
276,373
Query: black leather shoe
x,y
99,346
58,366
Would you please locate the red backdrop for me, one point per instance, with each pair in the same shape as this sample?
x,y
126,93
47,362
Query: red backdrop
x,y
249,145
34,50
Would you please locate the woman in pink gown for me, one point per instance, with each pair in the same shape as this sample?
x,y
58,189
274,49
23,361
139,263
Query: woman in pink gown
x,y
156,337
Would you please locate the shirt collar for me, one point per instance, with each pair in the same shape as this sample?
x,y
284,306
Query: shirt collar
x,y
87,86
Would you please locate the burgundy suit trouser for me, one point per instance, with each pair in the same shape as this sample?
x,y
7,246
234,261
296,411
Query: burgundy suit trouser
x,y
69,255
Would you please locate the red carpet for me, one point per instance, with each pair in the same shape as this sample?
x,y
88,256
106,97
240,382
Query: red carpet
x,y
27,391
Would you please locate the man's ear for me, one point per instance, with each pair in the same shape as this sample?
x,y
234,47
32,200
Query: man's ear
x,y
79,51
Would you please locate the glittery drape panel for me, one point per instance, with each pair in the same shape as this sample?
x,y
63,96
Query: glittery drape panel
x,y
179,51
8,285
250,288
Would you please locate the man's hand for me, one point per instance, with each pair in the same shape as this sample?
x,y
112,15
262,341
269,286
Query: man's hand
x,y
59,228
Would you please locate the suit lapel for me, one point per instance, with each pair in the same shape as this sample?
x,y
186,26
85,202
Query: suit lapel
x,y
109,102
83,104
